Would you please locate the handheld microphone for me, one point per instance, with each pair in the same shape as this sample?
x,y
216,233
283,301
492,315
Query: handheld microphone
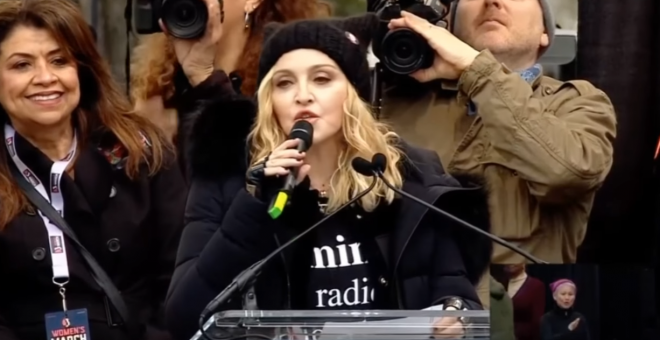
x,y
378,166
247,278
304,131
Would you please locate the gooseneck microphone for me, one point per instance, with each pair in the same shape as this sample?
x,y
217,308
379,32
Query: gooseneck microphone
x,y
304,131
377,168
243,281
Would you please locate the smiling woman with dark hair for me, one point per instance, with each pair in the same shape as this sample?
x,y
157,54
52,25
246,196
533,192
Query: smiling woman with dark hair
x,y
75,152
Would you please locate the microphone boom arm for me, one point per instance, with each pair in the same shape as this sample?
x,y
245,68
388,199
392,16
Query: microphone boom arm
x,y
493,238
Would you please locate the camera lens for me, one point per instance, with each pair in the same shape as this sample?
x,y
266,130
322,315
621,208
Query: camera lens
x,y
186,14
404,52
184,19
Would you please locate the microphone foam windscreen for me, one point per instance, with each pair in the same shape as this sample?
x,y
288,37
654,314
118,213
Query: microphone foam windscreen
x,y
362,166
304,131
379,162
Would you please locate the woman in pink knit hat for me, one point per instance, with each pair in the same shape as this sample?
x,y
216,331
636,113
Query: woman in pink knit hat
x,y
562,322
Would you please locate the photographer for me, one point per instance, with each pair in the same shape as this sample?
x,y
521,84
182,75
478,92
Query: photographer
x,y
542,146
166,70
314,71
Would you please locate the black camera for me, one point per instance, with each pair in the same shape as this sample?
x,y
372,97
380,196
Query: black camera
x,y
402,51
183,19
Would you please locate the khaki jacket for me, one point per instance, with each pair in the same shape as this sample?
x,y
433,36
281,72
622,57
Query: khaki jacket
x,y
542,150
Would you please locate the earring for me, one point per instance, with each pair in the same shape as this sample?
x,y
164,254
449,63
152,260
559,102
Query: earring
x,y
247,20
248,14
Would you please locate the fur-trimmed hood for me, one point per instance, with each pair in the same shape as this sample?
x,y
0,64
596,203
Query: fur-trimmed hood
x,y
214,133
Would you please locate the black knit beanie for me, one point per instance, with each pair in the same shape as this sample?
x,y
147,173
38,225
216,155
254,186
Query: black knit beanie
x,y
344,40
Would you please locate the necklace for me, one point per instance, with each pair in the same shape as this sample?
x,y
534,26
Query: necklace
x,y
323,201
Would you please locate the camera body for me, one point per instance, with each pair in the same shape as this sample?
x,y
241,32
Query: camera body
x,y
402,51
183,19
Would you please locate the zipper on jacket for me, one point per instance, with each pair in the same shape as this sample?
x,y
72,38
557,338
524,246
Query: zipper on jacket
x,y
277,239
398,260
405,245
286,271
396,269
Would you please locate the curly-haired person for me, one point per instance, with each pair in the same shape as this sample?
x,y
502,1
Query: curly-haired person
x,y
159,85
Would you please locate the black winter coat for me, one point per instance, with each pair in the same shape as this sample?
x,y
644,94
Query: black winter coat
x,y
554,325
228,230
131,227
186,101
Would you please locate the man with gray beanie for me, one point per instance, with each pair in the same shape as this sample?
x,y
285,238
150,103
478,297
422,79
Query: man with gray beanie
x,y
541,146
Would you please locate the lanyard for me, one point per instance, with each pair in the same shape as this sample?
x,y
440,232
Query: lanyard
x,y
55,235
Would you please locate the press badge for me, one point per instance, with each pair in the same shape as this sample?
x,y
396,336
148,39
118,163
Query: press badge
x,y
69,325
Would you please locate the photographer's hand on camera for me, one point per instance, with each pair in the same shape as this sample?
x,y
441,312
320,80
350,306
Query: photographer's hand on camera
x,y
268,174
197,56
453,56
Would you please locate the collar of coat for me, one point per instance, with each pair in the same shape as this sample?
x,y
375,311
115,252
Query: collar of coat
x,y
531,75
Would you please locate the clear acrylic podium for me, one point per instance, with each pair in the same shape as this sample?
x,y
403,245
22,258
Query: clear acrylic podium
x,y
342,324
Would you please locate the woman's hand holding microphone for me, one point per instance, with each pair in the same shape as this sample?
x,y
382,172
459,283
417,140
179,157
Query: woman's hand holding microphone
x,y
268,174
286,157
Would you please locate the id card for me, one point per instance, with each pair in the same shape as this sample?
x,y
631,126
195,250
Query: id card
x,y
72,326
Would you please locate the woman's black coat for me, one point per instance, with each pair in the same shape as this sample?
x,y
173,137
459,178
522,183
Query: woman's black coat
x,y
554,325
131,227
186,101
227,229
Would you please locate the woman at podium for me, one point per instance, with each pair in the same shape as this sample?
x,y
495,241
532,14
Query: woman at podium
x,y
383,252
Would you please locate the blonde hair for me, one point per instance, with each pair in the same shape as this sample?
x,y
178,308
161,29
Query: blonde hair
x,y
364,136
